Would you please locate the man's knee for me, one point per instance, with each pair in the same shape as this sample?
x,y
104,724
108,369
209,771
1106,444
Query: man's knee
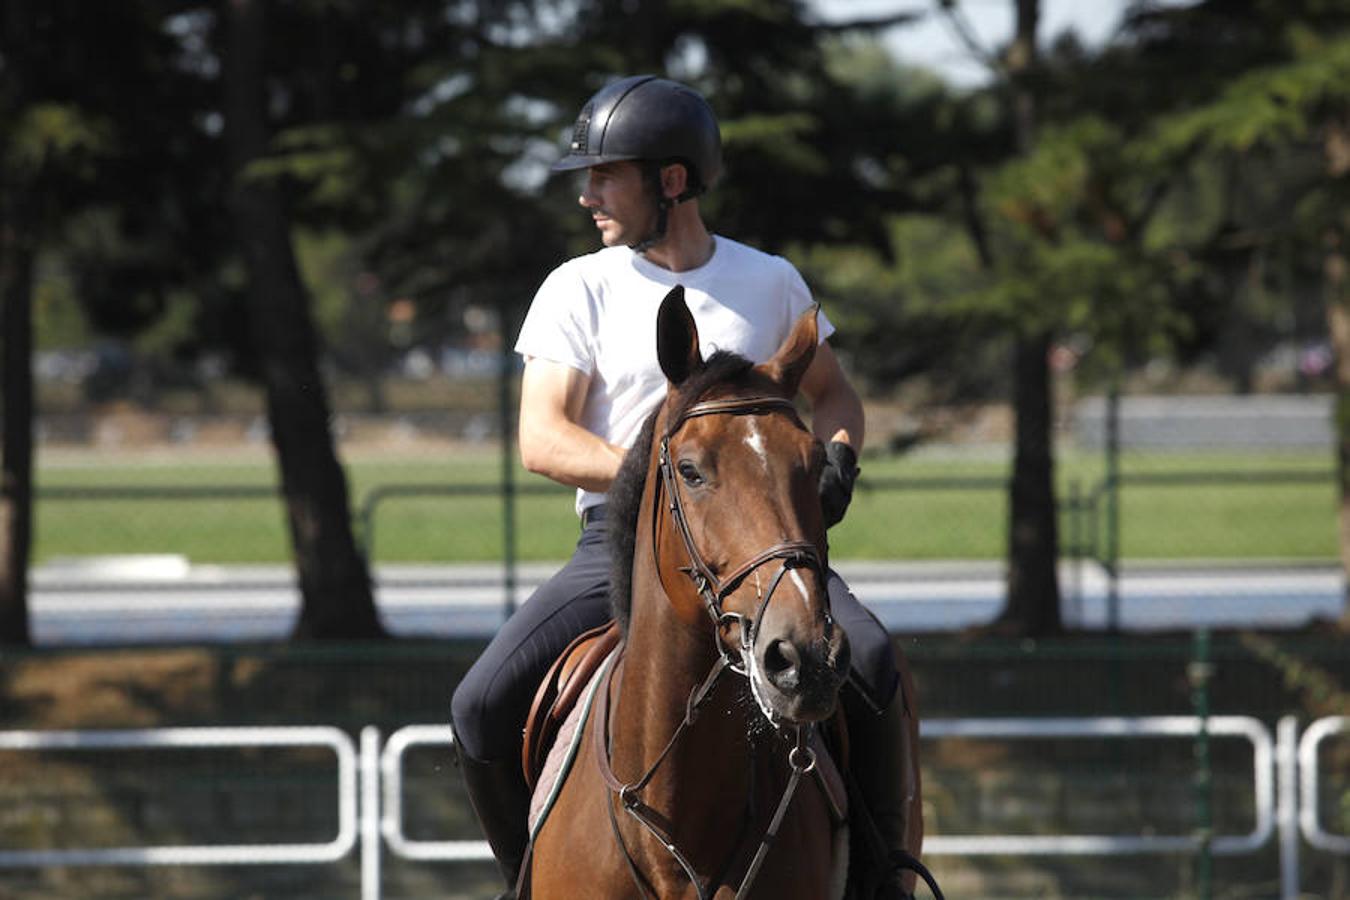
x,y
468,711
874,661
483,714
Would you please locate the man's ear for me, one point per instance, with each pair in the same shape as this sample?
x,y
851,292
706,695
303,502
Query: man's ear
x,y
677,338
789,364
674,180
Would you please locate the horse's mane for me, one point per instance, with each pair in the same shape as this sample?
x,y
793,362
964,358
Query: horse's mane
x,y
625,494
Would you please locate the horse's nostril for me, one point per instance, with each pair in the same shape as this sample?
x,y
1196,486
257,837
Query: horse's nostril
x,y
782,663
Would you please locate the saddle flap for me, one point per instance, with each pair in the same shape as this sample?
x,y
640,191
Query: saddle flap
x,y
558,693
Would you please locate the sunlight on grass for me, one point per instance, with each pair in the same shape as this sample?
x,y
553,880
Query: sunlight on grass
x,y
1241,517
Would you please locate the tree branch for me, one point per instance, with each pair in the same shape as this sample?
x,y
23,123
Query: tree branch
x,y
951,11
881,23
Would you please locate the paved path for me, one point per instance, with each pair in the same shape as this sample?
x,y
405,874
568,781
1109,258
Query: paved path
x,y
163,599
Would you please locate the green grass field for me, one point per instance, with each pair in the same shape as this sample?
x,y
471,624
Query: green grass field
x,y
1241,516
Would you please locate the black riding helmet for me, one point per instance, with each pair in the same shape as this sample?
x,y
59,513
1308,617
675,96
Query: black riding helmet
x,y
651,120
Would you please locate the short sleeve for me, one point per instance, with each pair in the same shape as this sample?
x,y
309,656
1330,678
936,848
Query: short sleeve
x,y
557,326
800,300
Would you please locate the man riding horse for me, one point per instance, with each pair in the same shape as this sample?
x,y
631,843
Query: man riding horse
x,y
649,148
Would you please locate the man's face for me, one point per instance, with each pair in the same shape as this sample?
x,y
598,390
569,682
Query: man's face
x,y
618,203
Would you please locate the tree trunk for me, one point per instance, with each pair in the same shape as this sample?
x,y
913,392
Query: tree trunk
x,y
1033,533
1033,536
336,596
1336,287
16,455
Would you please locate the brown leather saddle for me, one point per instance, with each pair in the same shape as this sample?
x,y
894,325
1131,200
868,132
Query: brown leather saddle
x,y
559,691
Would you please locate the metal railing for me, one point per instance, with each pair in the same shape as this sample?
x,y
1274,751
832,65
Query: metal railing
x,y
196,739
1263,756
391,819
1309,821
1285,780
369,790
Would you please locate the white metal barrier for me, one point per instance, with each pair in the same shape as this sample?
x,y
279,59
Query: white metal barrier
x,y
1263,754
197,739
391,820
1307,766
1284,771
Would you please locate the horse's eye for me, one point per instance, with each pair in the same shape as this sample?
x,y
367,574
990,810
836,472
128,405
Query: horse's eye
x,y
690,473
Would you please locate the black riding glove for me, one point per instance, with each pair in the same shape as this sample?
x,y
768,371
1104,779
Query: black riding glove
x,y
836,481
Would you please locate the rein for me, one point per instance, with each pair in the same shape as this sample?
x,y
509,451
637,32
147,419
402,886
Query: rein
x,y
713,590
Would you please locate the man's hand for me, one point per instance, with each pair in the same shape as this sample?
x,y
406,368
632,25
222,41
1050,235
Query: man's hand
x,y
836,481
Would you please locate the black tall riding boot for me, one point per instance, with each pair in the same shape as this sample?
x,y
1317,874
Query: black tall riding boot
x,y
884,765
501,801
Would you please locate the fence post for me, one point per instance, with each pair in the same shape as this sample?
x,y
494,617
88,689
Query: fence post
x,y
1286,762
370,813
1199,673
1113,508
1076,541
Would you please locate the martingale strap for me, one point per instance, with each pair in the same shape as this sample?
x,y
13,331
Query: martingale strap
x,y
801,760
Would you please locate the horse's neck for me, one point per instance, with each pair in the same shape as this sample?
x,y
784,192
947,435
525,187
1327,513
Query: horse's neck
x,y
716,789
664,662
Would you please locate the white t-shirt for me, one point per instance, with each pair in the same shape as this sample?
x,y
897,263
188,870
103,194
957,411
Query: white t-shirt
x,y
597,314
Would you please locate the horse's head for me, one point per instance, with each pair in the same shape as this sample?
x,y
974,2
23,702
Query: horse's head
x,y
740,538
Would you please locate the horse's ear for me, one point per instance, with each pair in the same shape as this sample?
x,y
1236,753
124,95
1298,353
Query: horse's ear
x,y
677,338
793,358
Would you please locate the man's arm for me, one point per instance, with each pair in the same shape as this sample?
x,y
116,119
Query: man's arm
x,y
552,444
837,420
836,410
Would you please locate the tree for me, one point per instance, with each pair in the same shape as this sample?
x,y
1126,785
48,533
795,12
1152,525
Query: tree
x,y
904,310
1060,228
1032,605
337,600
1279,111
16,455
317,134
1033,533
79,88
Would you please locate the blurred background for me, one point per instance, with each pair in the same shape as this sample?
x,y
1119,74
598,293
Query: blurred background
x,y
261,267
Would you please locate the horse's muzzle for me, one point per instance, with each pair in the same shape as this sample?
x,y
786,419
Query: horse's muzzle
x,y
803,678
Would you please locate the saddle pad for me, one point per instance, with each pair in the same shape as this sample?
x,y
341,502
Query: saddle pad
x,y
563,752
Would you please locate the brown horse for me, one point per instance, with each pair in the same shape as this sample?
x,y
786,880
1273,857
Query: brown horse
x,y
693,780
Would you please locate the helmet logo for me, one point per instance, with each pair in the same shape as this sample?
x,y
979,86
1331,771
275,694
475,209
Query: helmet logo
x,y
582,129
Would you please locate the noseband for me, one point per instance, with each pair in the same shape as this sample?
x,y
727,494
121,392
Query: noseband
x,y
711,587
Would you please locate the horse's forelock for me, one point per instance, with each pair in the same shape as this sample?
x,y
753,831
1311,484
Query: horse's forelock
x,y
723,368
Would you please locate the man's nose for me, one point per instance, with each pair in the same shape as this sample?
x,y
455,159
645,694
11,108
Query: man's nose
x,y
587,197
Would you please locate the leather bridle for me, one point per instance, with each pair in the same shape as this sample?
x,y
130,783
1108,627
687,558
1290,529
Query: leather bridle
x,y
713,589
